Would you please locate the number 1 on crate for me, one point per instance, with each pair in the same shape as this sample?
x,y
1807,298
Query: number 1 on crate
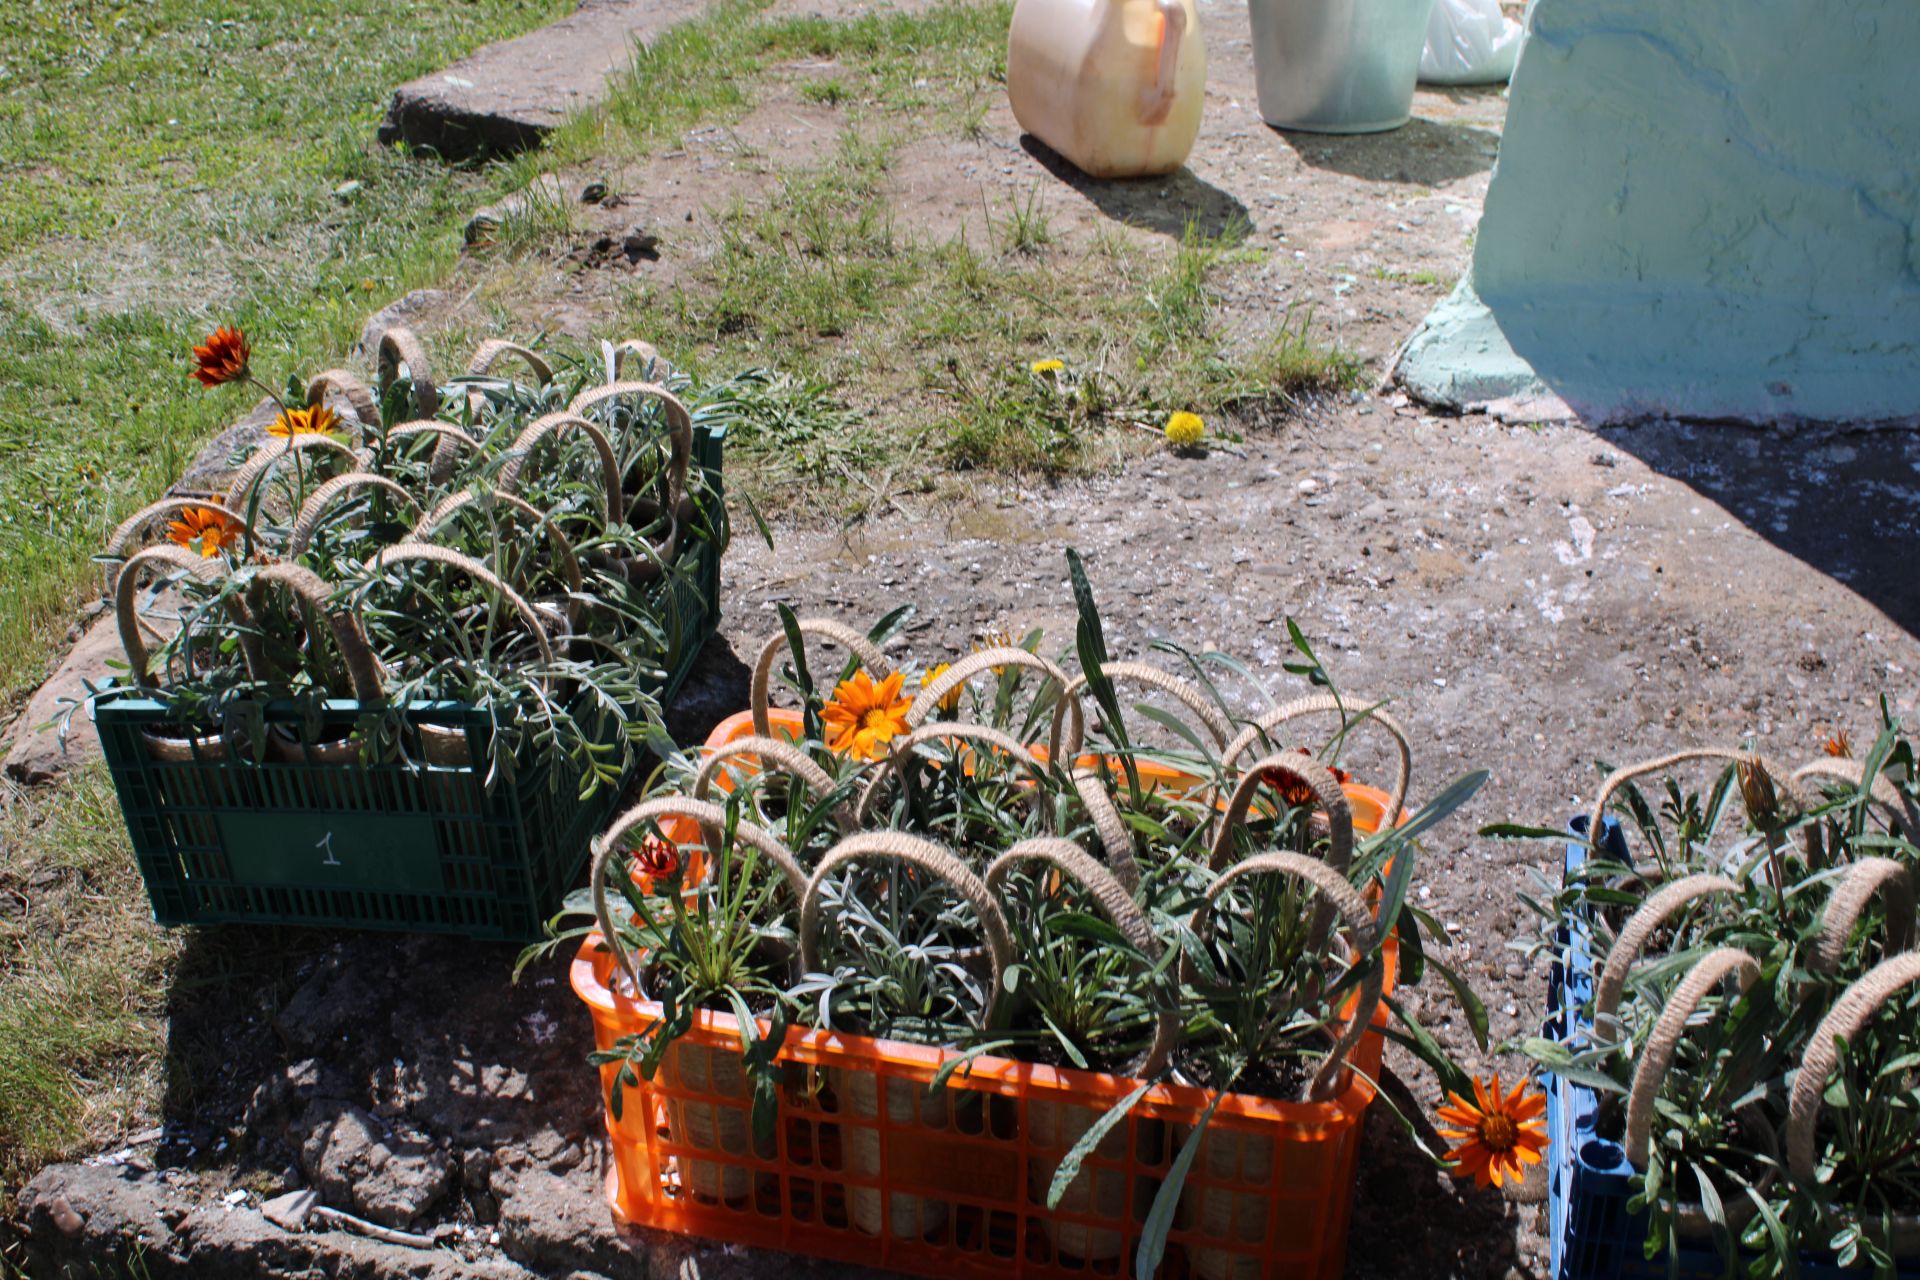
x,y
326,842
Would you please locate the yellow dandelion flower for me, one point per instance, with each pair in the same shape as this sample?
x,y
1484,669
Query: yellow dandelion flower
x,y
1184,430
1047,366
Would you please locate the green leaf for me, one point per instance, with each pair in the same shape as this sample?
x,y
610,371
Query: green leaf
x,y
1520,831
759,521
1070,1163
1470,1004
1153,1234
1420,1042
961,1059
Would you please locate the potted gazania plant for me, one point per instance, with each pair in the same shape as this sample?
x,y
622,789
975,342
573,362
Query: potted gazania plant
x,y
409,580
1007,1010
1702,972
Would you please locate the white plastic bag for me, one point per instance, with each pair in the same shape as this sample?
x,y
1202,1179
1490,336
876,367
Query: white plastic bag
x,y
1469,42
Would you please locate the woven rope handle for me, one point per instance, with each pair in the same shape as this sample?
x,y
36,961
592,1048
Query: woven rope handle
x,y
178,560
307,523
403,552
447,441
1361,926
348,388
317,597
985,660
562,545
711,817
1714,968
826,629
552,424
767,752
488,353
936,861
901,749
123,535
679,426
1185,691
1789,790
1115,840
1640,926
1856,1005
1114,899
1850,896
400,345
265,458
644,352
1297,767
1894,807
1354,715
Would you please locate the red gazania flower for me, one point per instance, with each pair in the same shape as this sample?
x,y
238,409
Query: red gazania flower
x,y
1839,745
1296,793
656,858
223,358
1498,1136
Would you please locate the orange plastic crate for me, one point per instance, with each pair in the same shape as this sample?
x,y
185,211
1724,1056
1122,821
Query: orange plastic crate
x,y
866,1168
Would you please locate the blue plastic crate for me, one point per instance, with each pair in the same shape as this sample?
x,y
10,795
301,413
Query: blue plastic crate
x,y
1593,1236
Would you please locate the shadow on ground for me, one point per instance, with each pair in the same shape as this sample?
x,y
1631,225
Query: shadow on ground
x,y
1398,1186
1168,205
1428,152
1845,502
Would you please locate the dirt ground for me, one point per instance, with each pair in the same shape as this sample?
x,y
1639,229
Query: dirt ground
x,y
1532,600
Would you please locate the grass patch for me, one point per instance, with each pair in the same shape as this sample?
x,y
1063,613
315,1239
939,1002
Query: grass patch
x,y
83,985
167,165
902,353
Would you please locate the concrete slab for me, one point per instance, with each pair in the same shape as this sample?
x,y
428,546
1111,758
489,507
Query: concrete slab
x,y
506,97
1710,211
1458,359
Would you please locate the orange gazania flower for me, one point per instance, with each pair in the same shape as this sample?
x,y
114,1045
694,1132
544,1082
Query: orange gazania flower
x,y
314,420
656,858
223,358
864,716
1498,1136
1296,793
204,530
1839,745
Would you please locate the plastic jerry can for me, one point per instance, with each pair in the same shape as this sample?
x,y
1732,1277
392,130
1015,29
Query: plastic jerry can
x,y
1115,86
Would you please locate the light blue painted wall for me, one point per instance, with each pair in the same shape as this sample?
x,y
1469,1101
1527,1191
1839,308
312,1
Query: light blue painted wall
x,y
1711,208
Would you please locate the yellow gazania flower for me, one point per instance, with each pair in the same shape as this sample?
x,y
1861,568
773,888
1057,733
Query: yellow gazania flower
x,y
863,717
950,701
1184,430
1498,1136
204,530
1047,366
314,420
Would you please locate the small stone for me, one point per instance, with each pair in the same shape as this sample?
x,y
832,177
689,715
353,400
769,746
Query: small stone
x,y
346,191
641,243
1309,486
593,193
291,1211
66,1217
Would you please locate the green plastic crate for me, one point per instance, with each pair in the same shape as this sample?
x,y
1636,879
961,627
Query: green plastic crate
x,y
417,848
